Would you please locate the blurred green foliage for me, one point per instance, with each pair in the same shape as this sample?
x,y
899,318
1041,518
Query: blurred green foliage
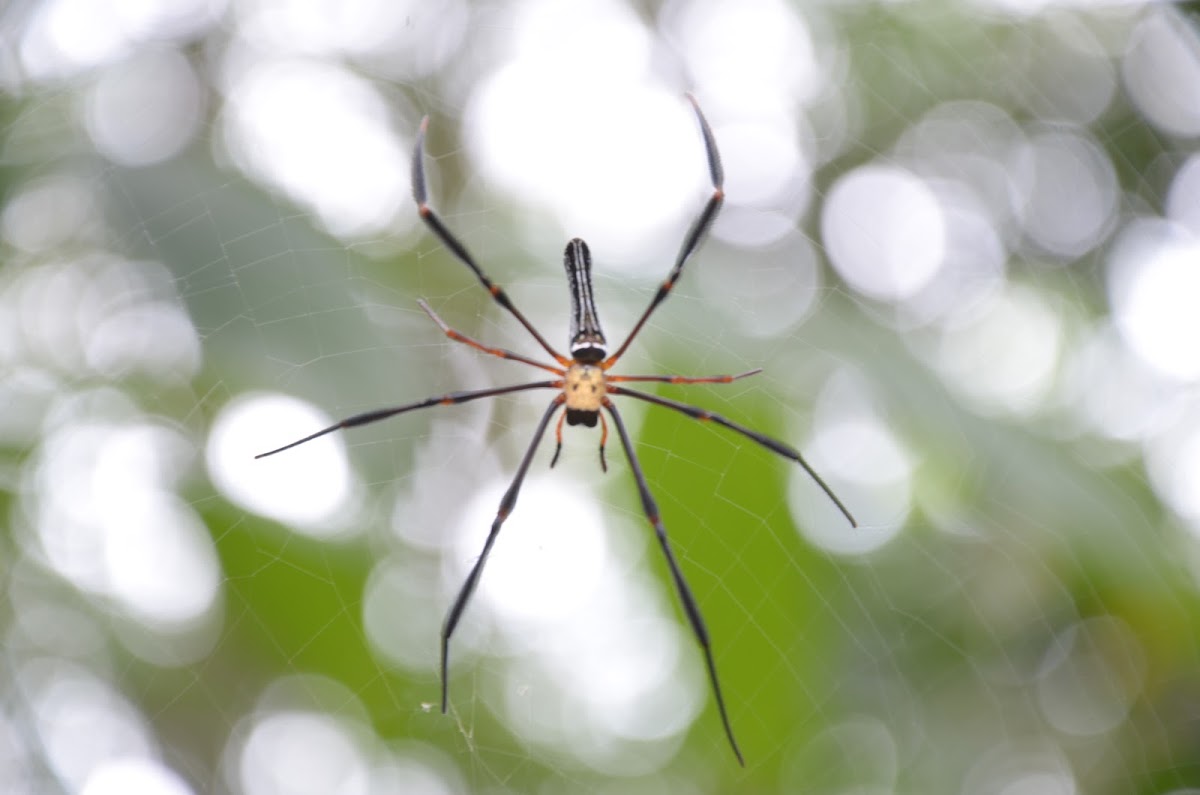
x,y
1017,532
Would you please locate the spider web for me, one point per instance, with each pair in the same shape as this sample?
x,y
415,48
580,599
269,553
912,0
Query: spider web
x,y
959,241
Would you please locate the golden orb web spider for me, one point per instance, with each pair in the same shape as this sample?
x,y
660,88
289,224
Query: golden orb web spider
x,y
584,387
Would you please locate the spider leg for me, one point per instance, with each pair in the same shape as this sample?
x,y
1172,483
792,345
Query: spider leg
x,y
773,445
681,587
694,236
451,399
506,505
603,441
683,379
458,336
431,219
558,439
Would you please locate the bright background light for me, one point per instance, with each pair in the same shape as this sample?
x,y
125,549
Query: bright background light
x,y
960,241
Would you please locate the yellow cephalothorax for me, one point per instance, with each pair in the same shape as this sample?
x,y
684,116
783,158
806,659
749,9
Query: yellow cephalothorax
x,y
584,387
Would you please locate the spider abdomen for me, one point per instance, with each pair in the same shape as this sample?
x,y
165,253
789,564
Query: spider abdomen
x,y
587,340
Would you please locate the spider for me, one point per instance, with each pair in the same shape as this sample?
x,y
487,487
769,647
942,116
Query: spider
x,y
583,387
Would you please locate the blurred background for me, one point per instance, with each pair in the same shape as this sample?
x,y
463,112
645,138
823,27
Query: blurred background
x,y
962,241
